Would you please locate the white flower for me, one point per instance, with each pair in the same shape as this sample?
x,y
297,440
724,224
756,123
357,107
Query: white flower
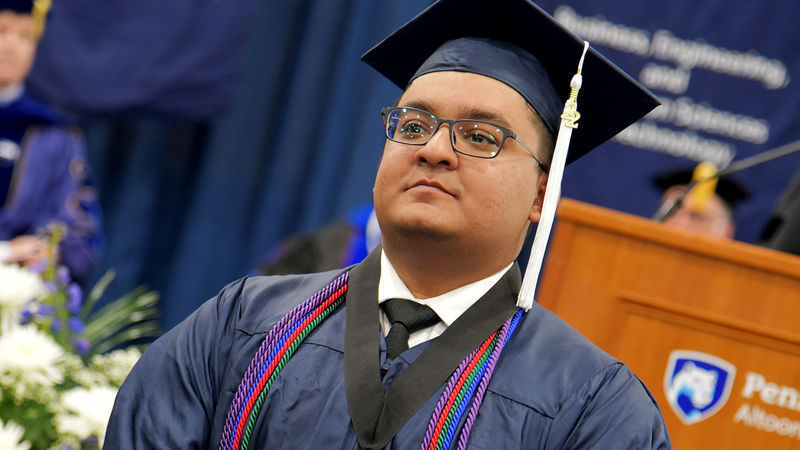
x,y
116,365
89,409
17,286
78,372
11,437
27,352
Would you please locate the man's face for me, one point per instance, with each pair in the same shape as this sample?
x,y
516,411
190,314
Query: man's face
x,y
430,191
713,219
17,47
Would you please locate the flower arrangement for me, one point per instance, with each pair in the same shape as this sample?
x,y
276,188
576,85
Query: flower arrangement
x,y
62,359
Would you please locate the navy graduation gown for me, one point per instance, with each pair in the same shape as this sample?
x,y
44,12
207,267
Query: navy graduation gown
x,y
551,389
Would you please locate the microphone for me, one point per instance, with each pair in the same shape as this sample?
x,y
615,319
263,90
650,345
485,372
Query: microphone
x,y
701,188
667,209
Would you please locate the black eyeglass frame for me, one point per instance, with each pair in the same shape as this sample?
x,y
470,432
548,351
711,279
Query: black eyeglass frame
x,y
439,121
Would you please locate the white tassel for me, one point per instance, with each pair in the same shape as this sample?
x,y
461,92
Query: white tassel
x,y
569,120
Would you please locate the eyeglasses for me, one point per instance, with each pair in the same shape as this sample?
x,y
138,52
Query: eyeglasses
x,y
474,138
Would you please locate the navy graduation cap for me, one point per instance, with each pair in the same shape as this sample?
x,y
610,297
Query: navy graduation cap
x,y
18,6
519,44
36,8
531,42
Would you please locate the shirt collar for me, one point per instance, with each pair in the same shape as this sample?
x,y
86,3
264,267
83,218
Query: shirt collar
x,y
10,94
448,306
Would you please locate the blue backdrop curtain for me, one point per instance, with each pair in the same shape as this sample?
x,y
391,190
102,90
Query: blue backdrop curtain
x,y
192,205
217,128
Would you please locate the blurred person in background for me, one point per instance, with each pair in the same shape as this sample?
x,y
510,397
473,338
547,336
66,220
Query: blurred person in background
x,y
708,210
43,170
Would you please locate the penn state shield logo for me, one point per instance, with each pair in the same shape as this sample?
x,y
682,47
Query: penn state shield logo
x,y
697,385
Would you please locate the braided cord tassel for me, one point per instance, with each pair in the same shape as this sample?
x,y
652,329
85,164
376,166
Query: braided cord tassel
x,y
451,383
259,384
463,398
448,398
267,354
505,334
471,377
277,363
297,337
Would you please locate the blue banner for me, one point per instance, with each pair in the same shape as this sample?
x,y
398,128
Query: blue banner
x,y
723,71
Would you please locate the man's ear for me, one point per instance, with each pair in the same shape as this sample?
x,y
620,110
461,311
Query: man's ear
x,y
536,208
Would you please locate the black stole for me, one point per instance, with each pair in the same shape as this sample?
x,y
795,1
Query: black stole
x,y
377,415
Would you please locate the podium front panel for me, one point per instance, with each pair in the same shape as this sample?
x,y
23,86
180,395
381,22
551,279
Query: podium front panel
x,y
711,326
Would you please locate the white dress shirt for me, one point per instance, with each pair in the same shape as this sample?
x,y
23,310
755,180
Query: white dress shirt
x,y
11,93
448,306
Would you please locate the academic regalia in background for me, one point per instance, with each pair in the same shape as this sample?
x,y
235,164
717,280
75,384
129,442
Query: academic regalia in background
x,y
707,208
44,180
551,389
729,190
782,232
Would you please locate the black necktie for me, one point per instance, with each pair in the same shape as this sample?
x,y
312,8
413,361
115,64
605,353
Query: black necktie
x,y
406,317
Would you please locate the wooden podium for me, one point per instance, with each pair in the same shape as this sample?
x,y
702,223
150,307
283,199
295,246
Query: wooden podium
x,y
660,299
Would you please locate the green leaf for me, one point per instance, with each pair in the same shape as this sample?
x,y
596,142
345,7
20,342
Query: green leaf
x,y
34,417
97,291
117,323
133,333
136,300
133,316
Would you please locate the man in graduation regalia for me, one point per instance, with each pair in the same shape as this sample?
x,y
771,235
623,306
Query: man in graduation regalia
x,y
425,344
43,175
707,208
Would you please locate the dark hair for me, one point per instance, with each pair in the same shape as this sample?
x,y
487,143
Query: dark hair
x,y
547,139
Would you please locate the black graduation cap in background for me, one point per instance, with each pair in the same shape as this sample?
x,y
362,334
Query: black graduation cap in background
x,y
728,189
38,10
18,6
610,100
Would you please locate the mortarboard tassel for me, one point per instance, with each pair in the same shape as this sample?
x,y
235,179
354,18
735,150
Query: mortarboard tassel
x,y
705,177
569,121
39,15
